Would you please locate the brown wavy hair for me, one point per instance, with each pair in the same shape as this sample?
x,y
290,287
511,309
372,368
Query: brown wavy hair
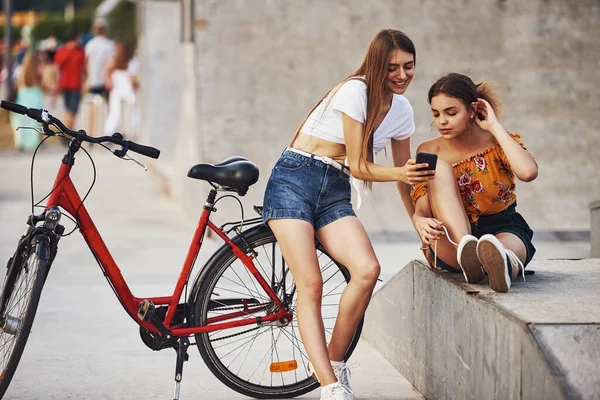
x,y
29,75
463,88
373,71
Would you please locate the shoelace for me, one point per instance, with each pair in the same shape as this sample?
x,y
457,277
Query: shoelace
x,y
343,388
344,375
435,247
514,260
512,257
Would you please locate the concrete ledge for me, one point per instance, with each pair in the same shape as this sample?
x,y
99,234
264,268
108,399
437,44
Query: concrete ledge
x,y
595,228
453,340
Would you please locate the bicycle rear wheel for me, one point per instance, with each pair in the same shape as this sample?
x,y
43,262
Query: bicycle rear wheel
x,y
265,360
21,292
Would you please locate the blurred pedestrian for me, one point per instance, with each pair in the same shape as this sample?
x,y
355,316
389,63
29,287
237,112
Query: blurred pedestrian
x,y
49,75
29,94
121,88
98,51
70,59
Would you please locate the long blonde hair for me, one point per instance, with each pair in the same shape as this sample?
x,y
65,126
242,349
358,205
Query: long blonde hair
x,y
30,74
373,71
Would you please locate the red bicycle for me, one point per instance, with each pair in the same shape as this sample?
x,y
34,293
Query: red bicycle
x,y
241,306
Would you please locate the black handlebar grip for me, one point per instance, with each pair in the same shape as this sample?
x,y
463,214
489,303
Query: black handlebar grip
x,y
144,150
35,113
14,107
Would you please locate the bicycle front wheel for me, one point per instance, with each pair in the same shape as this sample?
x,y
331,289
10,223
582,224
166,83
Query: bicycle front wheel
x,y
21,292
261,360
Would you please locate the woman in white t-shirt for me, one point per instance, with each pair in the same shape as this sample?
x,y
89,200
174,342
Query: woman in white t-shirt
x,y
308,194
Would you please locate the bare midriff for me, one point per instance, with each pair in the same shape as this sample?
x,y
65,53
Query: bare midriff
x,y
320,147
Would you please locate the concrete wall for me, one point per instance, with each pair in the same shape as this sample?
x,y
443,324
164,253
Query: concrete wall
x,y
454,340
261,65
595,228
160,56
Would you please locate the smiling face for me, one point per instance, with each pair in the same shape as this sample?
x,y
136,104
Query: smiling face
x,y
450,115
401,69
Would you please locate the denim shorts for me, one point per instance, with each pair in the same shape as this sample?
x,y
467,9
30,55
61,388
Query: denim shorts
x,y
301,187
72,99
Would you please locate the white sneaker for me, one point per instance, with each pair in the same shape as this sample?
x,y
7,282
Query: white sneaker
x,y
336,391
492,255
466,256
342,372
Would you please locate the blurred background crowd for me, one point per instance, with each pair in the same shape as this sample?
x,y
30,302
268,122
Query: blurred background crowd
x,y
75,58
203,80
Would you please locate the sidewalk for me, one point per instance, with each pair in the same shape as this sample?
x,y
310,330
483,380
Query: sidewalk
x,y
83,345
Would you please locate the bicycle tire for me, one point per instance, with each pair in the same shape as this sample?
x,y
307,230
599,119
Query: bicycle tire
x,y
212,283
26,273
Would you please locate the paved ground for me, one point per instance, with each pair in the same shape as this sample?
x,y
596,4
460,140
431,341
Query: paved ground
x,y
83,345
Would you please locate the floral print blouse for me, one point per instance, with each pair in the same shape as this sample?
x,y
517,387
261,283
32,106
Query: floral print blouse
x,y
485,181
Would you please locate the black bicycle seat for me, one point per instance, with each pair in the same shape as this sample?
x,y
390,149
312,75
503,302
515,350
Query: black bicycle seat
x,y
231,159
237,173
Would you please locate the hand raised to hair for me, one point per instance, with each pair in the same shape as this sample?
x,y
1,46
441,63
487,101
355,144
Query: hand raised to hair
x,y
410,175
485,117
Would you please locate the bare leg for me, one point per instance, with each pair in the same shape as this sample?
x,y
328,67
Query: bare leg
x,y
447,206
514,243
297,241
347,242
69,119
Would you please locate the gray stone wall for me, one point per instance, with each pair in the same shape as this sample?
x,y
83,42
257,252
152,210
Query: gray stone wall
x,y
160,56
262,64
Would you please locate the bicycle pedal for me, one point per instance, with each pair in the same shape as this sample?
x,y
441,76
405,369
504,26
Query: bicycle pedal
x,y
146,310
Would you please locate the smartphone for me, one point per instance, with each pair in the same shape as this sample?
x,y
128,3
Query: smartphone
x,y
428,158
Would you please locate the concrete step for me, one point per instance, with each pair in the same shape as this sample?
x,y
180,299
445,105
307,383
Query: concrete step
x,y
454,340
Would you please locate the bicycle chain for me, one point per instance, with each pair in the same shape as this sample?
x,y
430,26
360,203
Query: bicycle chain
x,y
235,334
239,333
238,307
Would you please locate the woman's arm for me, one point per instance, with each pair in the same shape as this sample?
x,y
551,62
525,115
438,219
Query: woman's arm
x,y
108,70
368,171
401,155
428,227
521,161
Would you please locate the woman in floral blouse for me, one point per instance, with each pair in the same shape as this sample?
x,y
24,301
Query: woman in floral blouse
x,y
472,198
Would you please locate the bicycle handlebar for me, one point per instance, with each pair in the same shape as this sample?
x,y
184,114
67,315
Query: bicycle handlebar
x,y
43,117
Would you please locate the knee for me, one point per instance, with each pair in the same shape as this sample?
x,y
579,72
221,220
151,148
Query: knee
x,y
444,174
367,275
311,287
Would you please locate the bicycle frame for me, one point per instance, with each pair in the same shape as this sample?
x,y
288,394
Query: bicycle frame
x,y
65,195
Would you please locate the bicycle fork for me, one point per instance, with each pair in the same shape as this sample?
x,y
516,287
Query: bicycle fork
x,y
182,356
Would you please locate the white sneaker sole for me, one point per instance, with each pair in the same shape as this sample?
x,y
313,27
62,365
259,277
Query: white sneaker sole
x,y
493,259
469,262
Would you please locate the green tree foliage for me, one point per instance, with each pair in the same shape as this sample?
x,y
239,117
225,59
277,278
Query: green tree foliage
x,y
55,25
16,32
52,6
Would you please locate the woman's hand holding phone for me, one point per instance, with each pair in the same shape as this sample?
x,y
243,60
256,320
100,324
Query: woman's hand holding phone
x,y
414,172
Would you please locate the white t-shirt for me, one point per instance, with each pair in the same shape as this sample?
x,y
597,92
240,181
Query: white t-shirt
x,y
98,51
351,99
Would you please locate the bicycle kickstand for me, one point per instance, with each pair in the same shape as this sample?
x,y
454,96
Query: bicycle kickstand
x,y
182,355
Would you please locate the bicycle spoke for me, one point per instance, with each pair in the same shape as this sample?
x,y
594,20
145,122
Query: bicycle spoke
x,y
268,356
